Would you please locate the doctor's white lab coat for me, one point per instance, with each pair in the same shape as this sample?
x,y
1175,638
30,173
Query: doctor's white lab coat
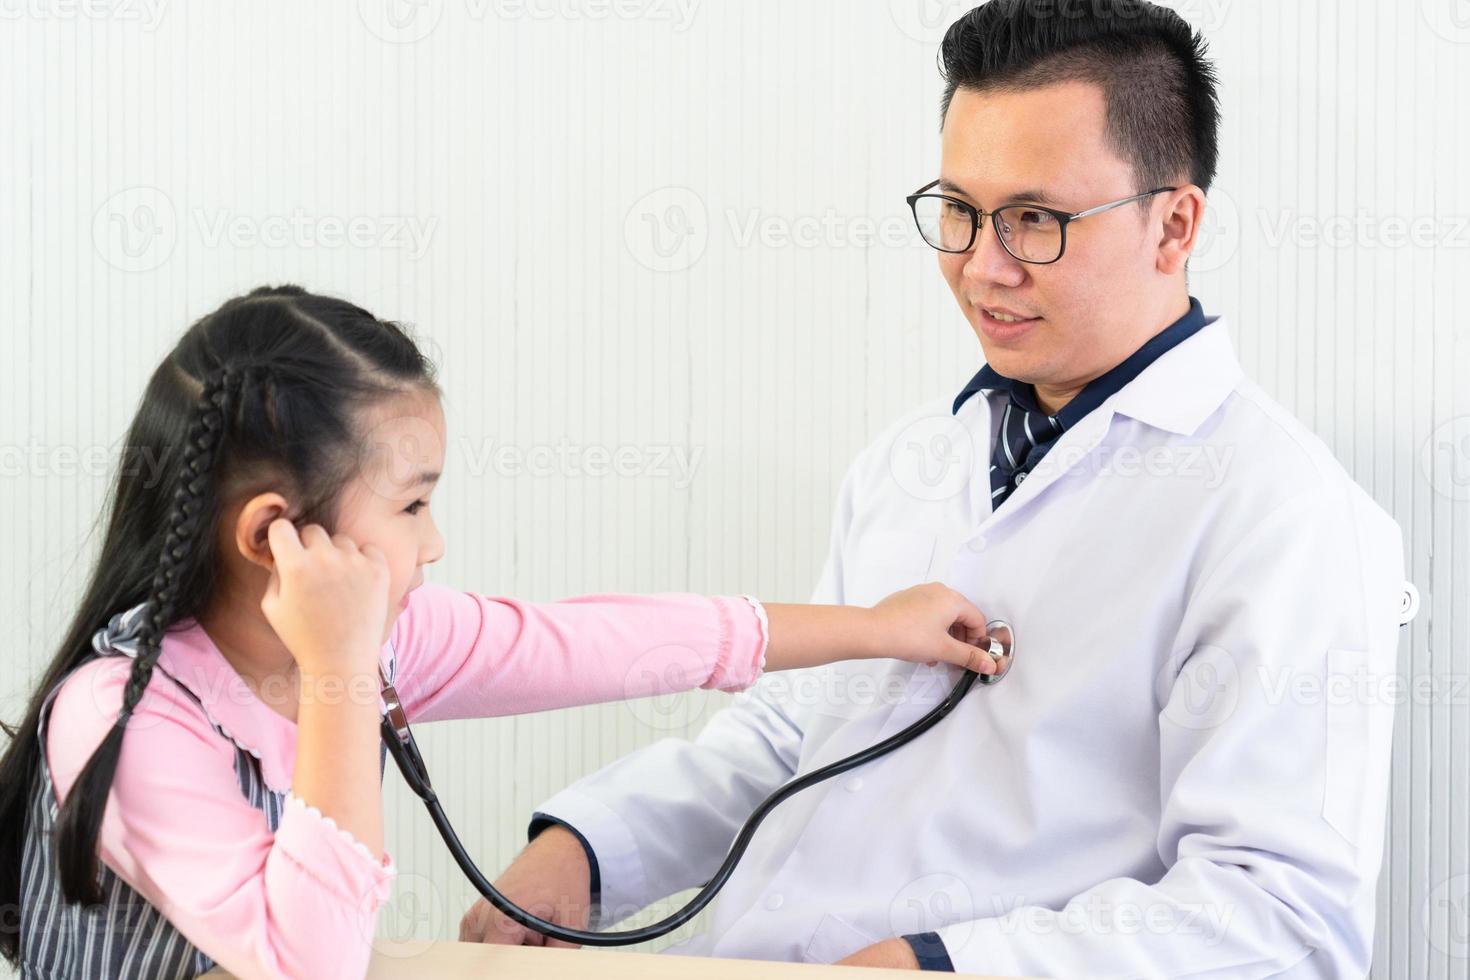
x,y
1184,774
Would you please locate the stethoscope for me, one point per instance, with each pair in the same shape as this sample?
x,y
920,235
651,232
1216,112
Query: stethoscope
x,y
398,737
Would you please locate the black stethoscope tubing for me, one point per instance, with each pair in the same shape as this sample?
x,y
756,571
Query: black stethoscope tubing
x,y
401,745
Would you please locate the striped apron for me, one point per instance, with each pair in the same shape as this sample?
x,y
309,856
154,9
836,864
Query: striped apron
x,y
124,936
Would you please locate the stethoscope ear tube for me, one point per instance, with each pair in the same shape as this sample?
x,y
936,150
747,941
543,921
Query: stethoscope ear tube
x,y
401,745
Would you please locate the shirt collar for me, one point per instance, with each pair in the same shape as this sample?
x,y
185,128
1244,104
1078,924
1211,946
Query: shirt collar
x,y
1100,389
190,657
1186,385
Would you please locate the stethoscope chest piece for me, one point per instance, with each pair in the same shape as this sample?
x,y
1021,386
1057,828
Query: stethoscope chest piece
x,y
1002,637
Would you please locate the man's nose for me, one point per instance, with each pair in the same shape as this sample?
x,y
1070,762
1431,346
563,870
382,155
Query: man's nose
x,y
989,262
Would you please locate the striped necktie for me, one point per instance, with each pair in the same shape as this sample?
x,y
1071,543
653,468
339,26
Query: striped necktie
x,y
1026,433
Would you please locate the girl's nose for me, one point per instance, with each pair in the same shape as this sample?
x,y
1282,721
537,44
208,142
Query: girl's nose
x,y
433,548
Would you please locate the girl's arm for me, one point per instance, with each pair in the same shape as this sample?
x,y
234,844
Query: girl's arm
x,y
925,623
301,902
466,655
328,602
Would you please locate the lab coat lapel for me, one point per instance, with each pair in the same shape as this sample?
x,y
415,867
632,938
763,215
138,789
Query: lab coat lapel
x,y
1070,449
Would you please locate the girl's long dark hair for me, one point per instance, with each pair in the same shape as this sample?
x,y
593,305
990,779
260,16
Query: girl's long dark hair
x,y
264,393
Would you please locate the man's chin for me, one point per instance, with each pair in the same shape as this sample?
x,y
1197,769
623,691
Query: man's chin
x,y
1009,362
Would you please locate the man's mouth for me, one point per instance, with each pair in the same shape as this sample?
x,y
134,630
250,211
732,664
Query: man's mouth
x,y
1004,325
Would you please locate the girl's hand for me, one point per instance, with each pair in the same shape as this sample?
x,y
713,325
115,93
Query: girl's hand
x,y
327,599
931,623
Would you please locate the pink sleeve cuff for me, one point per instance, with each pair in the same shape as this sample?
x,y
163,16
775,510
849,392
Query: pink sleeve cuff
x,y
341,863
744,637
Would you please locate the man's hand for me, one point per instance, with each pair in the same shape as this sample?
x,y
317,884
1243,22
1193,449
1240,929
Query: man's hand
x,y
895,954
550,879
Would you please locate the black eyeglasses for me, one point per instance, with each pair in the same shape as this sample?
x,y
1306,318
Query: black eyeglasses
x,y
1028,232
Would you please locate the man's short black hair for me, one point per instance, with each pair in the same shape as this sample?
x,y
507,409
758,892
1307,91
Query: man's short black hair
x,y
1163,113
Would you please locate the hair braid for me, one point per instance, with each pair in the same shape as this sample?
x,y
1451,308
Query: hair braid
x,y
80,817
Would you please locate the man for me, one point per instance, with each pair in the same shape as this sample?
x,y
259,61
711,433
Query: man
x,y
1180,774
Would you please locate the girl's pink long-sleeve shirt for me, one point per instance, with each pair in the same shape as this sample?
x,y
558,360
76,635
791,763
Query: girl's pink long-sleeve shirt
x,y
303,901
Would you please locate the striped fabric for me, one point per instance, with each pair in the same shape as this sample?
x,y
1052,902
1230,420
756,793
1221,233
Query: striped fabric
x,y
124,936
1027,432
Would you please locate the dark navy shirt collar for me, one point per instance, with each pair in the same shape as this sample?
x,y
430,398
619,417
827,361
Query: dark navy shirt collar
x,y
1099,389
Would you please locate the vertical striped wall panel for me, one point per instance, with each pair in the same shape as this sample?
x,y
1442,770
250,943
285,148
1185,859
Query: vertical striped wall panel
x,y
676,228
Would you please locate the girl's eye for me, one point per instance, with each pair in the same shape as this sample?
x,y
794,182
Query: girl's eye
x,y
416,506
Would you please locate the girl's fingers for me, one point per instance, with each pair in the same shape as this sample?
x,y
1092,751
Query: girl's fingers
x,y
314,536
972,658
285,545
968,616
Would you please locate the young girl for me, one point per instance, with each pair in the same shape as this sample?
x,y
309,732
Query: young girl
x,y
234,801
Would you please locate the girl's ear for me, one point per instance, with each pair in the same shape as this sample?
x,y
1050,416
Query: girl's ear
x,y
254,522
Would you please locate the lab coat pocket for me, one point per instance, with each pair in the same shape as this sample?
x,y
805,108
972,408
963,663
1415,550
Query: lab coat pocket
x,y
882,562
835,938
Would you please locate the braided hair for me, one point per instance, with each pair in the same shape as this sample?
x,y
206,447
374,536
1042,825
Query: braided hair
x,y
78,822
265,392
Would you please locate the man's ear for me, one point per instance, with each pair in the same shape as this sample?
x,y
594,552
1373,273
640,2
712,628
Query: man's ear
x,y
253,525
1184,214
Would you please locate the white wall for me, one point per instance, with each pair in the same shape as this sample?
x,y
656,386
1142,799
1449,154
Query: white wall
x,y
503,164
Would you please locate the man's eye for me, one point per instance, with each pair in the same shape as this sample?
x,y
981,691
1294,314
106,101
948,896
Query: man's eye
x,y
1032,218
416,506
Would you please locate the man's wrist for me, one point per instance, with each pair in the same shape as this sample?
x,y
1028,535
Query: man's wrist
x,y
563,835
930,951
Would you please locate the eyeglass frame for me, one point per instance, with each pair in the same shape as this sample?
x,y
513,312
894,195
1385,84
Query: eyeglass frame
x,y
977,215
